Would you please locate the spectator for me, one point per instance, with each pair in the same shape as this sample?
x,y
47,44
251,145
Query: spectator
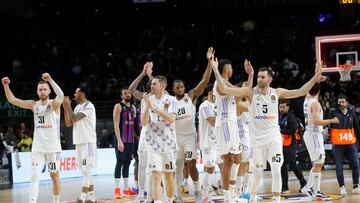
x,y
63,141
104,140
23,129
25,143
10,137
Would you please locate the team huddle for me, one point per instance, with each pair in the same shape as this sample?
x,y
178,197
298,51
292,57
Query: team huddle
x,y
238,132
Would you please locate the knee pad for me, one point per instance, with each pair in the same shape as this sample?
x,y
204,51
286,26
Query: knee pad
x,y
35,172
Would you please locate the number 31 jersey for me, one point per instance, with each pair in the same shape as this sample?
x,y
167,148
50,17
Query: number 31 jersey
x,y
46,128
264,124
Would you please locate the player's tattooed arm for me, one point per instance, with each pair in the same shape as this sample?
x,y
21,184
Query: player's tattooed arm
x,y
74,117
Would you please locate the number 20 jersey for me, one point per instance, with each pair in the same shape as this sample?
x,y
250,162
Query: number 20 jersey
x,y
46,128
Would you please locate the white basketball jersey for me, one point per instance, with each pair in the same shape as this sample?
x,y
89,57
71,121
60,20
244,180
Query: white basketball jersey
x,y
206,131
243,125
264,124
185,117
225,107
46,128
161,135
84,130
309,122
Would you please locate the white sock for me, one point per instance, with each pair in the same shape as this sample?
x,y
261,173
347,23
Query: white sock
x,y
317,179
171,199
117,182
196,185
246,184
232,191
255,181
126,183
83,196
91,196
56,198
277,199
136,184
310,181
158,201
234,172
186,181
34,191
227,196
206,183
149,196
239,185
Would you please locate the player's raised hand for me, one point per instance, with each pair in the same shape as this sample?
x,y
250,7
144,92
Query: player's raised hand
x,y
318,71
46,77
214,64
210,53
5,81
248,67
149,67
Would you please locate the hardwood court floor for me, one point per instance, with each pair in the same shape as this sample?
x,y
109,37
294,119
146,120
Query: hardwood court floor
x,y
104,189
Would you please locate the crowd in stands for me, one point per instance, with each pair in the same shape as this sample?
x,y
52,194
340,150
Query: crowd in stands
x,y
108,58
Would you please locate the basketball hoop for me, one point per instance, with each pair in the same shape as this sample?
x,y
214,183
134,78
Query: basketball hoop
x,y
344,71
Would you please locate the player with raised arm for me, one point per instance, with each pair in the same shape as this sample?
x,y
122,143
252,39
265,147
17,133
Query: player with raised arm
x,y
142,149
264,128
83,121
185,128
243,120
46,147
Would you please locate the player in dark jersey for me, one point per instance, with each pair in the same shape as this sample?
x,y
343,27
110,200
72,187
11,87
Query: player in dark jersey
x,y
124,116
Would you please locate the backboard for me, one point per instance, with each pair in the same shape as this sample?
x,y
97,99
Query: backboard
x,y
337,50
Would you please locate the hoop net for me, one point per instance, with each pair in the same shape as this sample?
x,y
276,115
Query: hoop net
x,y
344,71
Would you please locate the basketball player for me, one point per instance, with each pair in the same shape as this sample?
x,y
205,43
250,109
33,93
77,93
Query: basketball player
x,y
124,115
186,130
264,128
227,131
142,151
83,121
243,175
243,120
208,141
314,141
46,147
159,113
